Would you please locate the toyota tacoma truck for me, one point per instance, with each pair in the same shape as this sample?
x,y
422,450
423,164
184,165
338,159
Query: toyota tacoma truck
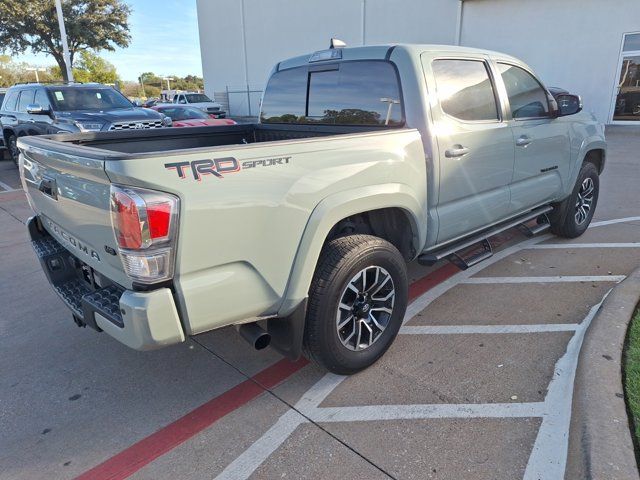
x,y
298,229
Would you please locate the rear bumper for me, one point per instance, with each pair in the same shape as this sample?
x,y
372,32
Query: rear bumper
x,y
140,320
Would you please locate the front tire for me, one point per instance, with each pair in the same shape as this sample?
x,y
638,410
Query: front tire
x,y
357,301
574,214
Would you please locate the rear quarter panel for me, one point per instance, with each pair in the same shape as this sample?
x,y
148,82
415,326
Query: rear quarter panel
x,y
241,233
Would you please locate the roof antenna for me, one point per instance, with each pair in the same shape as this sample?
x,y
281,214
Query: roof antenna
x,y
336,43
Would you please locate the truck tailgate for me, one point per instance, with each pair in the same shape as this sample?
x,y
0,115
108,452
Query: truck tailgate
x,y
70,194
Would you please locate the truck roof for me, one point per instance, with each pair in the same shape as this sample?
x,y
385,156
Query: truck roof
x,y
381,52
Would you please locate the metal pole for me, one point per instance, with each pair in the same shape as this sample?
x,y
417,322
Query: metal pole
x,y
37,78
249,99
63,38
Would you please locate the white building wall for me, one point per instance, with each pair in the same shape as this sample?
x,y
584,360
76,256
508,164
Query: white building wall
x,y
241,40
574,44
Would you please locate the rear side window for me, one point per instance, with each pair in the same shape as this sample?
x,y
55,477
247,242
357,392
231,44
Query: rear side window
x,y
26,98
465,90
526,96
10,101
348,93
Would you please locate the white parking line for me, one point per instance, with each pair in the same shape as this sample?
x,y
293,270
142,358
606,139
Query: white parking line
x,y
243,466
7,188
603,223
545,246
490,329
557,279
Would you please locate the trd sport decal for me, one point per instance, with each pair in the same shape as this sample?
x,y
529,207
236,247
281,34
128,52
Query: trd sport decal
x,y
220,166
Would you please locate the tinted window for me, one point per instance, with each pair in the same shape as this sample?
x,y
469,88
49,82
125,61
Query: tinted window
x,y
465,90
351,93
26,98
82,98
10,101
41,98
197,98
284,98
526,96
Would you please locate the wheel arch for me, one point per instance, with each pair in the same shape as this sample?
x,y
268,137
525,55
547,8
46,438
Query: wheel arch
x,y
388,211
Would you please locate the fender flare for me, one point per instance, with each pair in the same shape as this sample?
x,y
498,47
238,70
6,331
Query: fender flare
x,y
336,207
588,144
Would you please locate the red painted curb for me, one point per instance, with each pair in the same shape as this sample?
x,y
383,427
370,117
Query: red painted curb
x,y
132,459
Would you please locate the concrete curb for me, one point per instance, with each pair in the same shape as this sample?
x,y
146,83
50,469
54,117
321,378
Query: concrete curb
x,y
600,443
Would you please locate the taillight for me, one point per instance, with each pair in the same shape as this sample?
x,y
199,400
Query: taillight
x,y
144,223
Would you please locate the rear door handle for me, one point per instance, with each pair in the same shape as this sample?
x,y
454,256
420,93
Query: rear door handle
x,y
456,151
523,141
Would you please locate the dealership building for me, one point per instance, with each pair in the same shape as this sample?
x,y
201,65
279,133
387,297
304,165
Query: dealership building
x,y
589,47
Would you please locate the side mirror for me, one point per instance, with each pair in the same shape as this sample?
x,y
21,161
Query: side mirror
x,y
568,104
36,109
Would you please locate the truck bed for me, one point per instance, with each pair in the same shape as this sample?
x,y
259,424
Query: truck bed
x,y
175,139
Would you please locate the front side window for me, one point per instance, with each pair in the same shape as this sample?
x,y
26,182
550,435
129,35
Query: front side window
x,y
526,96
26,98
465,90
42,99
348,93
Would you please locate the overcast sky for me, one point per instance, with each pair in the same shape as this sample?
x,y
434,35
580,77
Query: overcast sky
x,y
164,40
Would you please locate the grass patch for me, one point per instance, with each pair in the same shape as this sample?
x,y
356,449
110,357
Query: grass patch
x,y
632,373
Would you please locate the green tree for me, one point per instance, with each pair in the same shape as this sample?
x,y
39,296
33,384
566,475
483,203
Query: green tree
x,y
92,68
90,24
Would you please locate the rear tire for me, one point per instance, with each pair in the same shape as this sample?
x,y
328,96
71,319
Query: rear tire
x,y
12,146
573,215
357,302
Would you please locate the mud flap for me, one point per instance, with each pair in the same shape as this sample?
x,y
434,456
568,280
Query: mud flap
x,y
287,333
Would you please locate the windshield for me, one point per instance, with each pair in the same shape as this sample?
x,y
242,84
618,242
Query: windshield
x,y
197,98
182,113
70,98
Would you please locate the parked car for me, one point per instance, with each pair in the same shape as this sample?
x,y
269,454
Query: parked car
x,y
182,116
201,101
297,229
38,109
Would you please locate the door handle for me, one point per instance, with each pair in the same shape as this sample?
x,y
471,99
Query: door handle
x,y
456,151
523,141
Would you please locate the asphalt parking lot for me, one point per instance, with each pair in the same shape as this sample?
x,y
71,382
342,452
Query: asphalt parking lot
x,y
478,384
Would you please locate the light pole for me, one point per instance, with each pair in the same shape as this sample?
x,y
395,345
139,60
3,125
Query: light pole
x,y
36,69
168,79
65,45
391,103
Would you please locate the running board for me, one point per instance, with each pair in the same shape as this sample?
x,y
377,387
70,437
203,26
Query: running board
x,y
453,252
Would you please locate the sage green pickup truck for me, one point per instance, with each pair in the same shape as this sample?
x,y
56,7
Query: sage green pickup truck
x,y
298,229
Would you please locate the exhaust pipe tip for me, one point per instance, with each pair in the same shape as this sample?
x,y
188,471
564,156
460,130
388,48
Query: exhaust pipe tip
x,y
255,335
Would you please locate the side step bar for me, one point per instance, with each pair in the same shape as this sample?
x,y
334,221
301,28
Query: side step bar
x,y
453,252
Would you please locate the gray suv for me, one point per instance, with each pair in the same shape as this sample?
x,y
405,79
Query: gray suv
x,y
38,109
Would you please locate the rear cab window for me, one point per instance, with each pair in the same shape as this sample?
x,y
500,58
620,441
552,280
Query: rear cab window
x,y
345,93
